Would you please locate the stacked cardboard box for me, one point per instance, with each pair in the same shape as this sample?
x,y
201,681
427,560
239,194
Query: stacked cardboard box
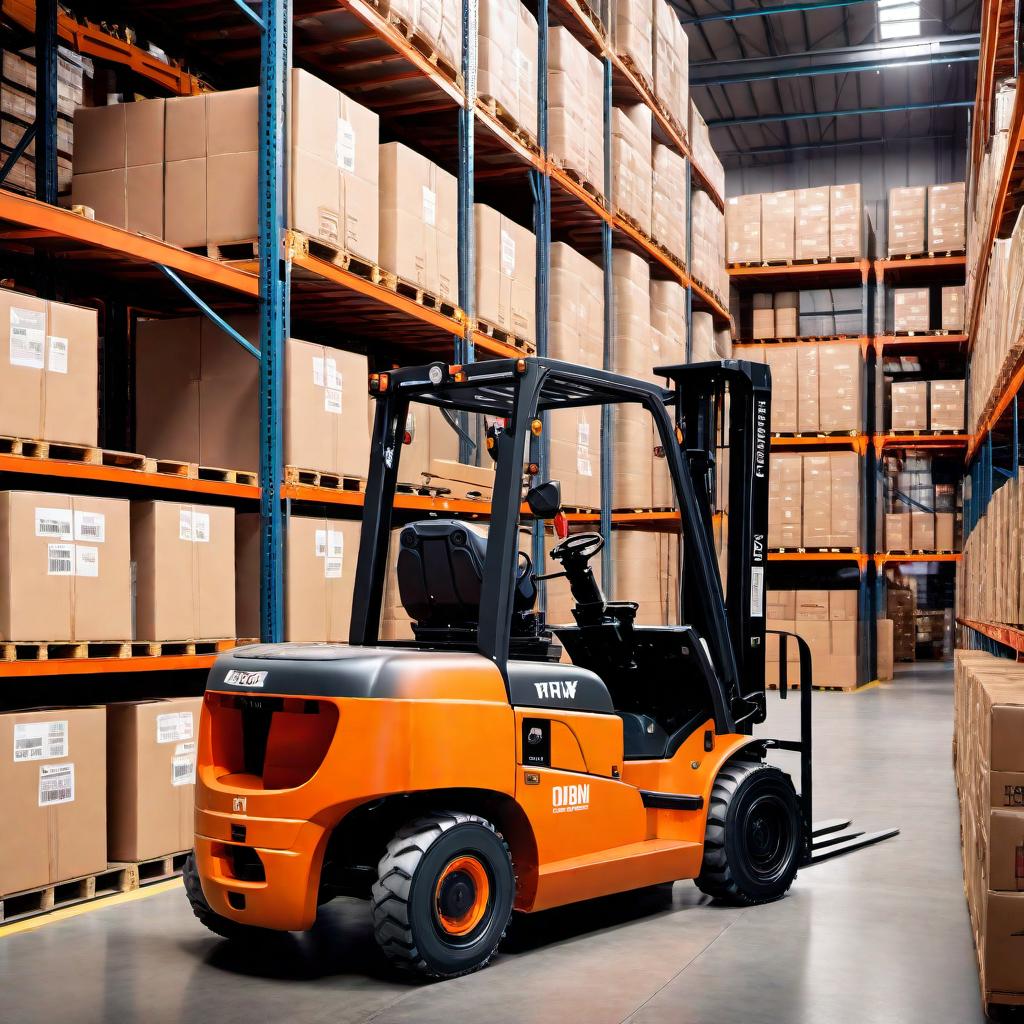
x,y
828,621
927,405
428,436
909,401
631,164
671,63
647,572
763,316
707,244
743,229
668,323
54,787
576,303
419,221
575,97
507,60
989,767
438,22
632,35
846,217
911,309
812,223
506,273
812,500
787,314
906,234
462,481
785,500
778,226
48,374
953,308
575,455
703,347
946,217
783,362
900,608
946,405
703,153
668,211
884,649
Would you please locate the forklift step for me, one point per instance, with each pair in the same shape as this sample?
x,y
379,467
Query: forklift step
x,y
824,828
847,843
672,801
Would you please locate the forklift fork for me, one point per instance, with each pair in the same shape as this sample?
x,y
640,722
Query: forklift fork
x,y
821,840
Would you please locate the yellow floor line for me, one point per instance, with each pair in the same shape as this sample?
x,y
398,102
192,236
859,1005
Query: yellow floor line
x,y
62,914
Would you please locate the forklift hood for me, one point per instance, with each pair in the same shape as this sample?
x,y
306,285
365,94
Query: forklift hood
x,y
340,670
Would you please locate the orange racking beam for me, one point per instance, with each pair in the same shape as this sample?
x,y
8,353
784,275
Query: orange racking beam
x,y
923,556
1006,397
952,441
92,666
1009,636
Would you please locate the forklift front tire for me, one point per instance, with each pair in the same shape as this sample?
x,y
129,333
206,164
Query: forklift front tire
x,y
443,895
752,839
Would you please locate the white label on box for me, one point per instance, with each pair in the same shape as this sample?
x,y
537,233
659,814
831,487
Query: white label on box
x,y
335,544
54,522
200,527
346,145
318,371
174,726
321,543
429,206
38,741
60,559
331,376
332,400
583,464
57,361
27,338
90,526
332,568
183,765
87,560
508,254
56,784
757,591
524,70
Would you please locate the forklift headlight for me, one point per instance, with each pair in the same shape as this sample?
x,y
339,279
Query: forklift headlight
x,y
435,374
536,427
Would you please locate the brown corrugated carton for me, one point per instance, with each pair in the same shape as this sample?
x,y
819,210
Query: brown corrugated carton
x,y
184,558
507,60
632,176
575,455
646,567
910,405
419,221
999,943
812,223
1004,829
632,34
778,226
428,435
703,347
48,372
844,497
668,323
671,62
54,787
506,273
884,648
763,315
944,524
817,514
575,96
787,314
151,774
668,209
946,402
807,389
785,502
946,218
462,480
843,605
922,531
437,21
845,219
632,351
906,234
783,362
65,571
326,409
911,309
633,482
743,229
843,635
840,370
897,531
576,307
841,671
781,604
953,307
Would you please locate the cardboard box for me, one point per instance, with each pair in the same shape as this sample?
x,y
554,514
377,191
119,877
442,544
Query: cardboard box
x,y
575,455
668,209
785,503
841,671
781,604
184,571
784,366
48,372
808,409
884,649
671,62
910,405
778,226
845,220
575,105
419,207
953,308
439,22
507,60
812,606
843,605
151,774
897,531
65,570
632,34
944,531
763,317
1000,942
812,223
911,309
1004,830
632,349
632,174
922,531
787,314
840,371
906,234
54,787
428,435
506,273
743,230
946,404
817,514
703,348
946,218
844,500
464,481
576,307
668,323
843,636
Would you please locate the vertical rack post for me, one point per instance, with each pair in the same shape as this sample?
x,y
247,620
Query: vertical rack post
x,y
275,72
607,426
689,254
873,477
464,348
46,101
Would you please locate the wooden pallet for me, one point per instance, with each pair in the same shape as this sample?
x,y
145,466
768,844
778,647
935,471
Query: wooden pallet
x,y
925,433
419,295
836,435
528,348
157,869
228,476
815,551
178,648
33,449
813,261
522,135
580,181
43,650
823,339
932,255
307,245
243,251
318,478
821,686
641,76
427,49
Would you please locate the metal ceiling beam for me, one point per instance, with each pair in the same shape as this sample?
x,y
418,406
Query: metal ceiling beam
x,y
816,115
873,57
845,144
764,12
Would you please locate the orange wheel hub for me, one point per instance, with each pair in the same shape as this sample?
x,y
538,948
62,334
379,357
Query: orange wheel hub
x,y
462,895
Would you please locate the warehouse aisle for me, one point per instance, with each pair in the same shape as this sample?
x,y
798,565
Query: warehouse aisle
x,y
880,937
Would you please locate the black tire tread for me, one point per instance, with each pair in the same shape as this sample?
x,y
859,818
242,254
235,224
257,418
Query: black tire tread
x,y
206,915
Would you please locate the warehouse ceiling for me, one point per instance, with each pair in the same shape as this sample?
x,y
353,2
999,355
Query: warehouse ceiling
x,y
748,73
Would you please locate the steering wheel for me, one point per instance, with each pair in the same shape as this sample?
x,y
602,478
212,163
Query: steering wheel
x,y
582,546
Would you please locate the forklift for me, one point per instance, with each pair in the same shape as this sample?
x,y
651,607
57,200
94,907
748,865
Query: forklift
x,y
495,762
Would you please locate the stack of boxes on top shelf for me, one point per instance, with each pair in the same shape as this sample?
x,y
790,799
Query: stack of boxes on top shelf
x,y
920,514
926,219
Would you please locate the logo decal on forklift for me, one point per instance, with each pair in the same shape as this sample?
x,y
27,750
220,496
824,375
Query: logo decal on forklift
x,y
561,689
238,804
566,799
236,677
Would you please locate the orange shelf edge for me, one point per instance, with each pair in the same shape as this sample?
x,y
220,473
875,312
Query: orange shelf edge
x,y
1009,636
92,666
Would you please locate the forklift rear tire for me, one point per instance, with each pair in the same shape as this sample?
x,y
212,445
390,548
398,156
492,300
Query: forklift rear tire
x,y
444,895
217,923
752,839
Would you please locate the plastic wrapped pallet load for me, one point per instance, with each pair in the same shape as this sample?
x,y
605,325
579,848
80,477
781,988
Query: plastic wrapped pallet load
x,y
946,218
953,307
632,351
723,342
812,223
671,63
783,362
845,222
703,153
911,309
707,244
702,349
575,97
507,60
906,234
647,571
778,226
840,372
631,164
668,322
743,229
438,21
506,273
632,35
668,212
576,305
785,500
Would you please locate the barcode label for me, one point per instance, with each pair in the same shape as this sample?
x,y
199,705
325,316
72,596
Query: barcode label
x,y
321,543
56,784
429,206
39,741
174,727
346,145
756,591
90,526
60,560
318,371
194,526
332,568
508,254
335,544
332,400
54,522
183,765
58,356
27,338
583,463
87,560
331,376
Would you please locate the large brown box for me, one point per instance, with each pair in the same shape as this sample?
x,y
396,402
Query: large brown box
x,y
428,436
763,316
184,571
575,455
897,531
946,218
671,62
953,308
906,234
668,209
778,226
817,515
785,502
840,370
844,499
922,531
576,307
151,774
54,788
843,605
944,531
632,34
845,220
946,405
507,60
743,229
812,223
575,97
506,273
437,21
419,210
910,405
884,649
784,365
787,314
48,379
65,569
843,634
668,323
632,351
631,157
911,309
808,409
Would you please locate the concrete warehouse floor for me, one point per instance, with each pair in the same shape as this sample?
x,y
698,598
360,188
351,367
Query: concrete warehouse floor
x,y
878,936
